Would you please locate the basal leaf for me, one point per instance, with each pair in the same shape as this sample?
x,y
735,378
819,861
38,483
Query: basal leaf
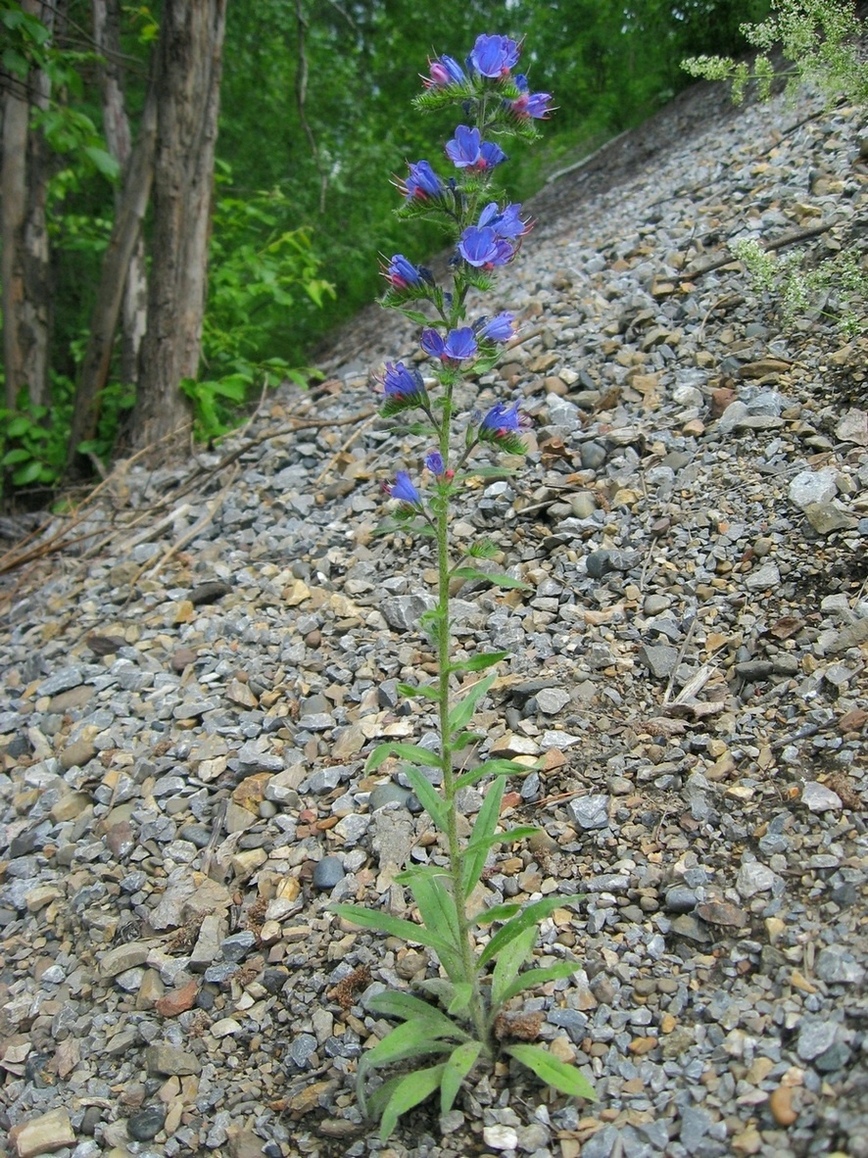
x,y
409,1039
463,710
529,915
459,1064
461,997
533,977
406,1093
553,1071
410,1008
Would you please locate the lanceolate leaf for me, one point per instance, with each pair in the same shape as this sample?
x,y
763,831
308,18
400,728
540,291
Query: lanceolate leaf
x,y
394,926
410,1008
461,1061
428,797
463,710
495,767
479,662
430,691
499,580
533,977
486,822
530,915
405,1093
509,961
414,753
553,1071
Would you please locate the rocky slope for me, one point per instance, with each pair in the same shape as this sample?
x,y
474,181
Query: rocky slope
x,y
196,663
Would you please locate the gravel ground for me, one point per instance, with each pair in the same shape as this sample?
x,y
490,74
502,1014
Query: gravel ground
x,y
196,663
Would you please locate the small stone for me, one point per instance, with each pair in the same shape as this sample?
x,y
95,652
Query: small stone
x,y
835,965
680,900
328,872
781,1105
166,1060
754,878
815,1037
590,811
383,794
500,1137
818,798
44,1135
146,1124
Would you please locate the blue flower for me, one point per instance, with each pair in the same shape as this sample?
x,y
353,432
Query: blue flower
x,y
494,56
500,420
506,222
422,182
401,273
483,249
467,150
536,105
443,72
457,346
402,384
434,462
496,329
403,489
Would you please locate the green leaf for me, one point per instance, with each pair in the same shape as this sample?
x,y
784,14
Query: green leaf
x,y
461,1061
428,797
553,1071
415,753
431,691
461,997
509,961
463,710
497,913
498,580
530,915
479,662
405,1093
531,978
394,926
29,473
409,1039
494,767
473,858
413,1009
436,906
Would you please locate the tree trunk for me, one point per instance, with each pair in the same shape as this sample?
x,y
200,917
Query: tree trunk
x,y
107,36
188,88
114,281
26,289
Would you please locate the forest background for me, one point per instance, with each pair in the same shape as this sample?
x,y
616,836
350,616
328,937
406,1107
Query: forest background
x,y
195,192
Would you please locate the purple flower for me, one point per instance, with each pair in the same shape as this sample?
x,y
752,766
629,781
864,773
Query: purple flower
x,y
483,249
467,150
443,72
434,462
534,105
501,419
457,346
401,273
497,329
506,222
402,384
421,183
403,489
494,56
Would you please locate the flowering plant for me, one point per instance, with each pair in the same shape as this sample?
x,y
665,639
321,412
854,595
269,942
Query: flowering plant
x,y
461,1020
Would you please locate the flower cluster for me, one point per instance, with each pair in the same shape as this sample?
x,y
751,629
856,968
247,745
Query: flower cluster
x,y
494,100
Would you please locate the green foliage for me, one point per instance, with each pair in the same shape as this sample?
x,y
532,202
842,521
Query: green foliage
x,y
33,441
818,38
835,289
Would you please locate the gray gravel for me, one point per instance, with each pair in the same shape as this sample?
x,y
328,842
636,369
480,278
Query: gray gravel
x,y
198,665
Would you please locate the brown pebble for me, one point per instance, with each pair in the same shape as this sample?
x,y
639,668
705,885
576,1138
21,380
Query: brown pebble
x,y
781,1106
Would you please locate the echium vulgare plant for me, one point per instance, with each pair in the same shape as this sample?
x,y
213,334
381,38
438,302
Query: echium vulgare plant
x,y
461,1019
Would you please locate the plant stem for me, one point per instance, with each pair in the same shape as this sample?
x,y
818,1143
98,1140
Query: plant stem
x,y
476,1009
